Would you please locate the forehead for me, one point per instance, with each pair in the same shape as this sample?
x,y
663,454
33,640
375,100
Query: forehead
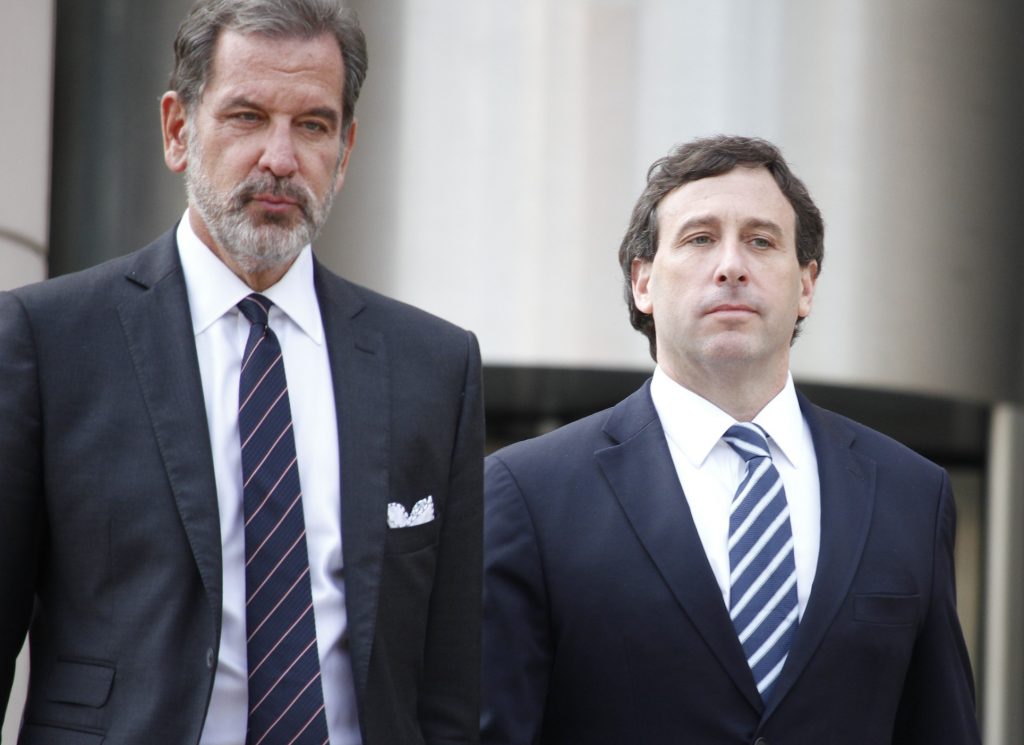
x,y
743,194
244,64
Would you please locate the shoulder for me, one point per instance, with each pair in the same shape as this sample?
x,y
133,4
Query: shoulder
x,y
102,286
829,429
542,473
396,320
569,451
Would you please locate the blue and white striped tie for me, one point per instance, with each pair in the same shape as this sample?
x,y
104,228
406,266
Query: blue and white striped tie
x,y
762,572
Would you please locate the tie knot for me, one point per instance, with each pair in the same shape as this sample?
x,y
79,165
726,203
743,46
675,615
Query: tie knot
x,y
255,308
748,440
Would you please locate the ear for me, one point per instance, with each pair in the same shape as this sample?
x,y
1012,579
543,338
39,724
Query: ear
x,y
348,144
808,279
172,120
640,281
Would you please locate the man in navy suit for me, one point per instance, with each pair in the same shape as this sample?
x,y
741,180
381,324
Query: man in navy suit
x,y
134,515
715,560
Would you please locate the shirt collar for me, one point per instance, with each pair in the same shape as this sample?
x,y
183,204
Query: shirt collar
x,y
695,425
782,419
213,289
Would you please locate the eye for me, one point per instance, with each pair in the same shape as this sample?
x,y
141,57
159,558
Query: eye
x,y
700,240
315,126
245,117
759,242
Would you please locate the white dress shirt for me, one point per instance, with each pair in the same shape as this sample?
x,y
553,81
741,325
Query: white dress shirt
x,y
710,471
221,332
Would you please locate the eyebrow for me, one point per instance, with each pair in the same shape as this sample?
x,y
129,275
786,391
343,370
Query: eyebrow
x,y
768,225
698,221
324,112
702,221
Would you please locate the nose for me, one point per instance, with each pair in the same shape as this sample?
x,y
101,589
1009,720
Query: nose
x,y
278,155
732,265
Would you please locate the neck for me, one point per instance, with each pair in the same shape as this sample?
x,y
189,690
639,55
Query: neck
x,y
258,280
737,390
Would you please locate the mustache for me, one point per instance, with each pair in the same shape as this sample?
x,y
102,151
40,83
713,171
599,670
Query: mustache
x,y
271,185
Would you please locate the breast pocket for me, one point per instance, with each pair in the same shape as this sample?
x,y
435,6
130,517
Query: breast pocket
x,y
887,609
413,538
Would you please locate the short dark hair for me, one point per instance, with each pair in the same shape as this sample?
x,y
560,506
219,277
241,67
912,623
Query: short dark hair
x,y
198,34
703,158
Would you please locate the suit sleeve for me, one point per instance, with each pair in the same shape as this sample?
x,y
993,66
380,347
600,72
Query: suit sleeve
x,y
938,694
517,650
449,706
20,482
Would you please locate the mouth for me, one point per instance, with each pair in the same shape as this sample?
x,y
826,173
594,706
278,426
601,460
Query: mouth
x,y
276,200
273,202
732,309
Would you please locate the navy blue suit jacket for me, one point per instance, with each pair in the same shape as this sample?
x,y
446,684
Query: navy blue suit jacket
x,y
110,549
603,622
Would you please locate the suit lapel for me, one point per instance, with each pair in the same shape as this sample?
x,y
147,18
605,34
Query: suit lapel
x,y
847,482
359,367
158,330
640,471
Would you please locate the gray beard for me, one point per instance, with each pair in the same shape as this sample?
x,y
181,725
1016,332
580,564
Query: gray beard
x,y
257,243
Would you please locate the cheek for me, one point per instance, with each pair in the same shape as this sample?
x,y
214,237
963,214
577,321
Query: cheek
x,y
318,175
234,155
674,299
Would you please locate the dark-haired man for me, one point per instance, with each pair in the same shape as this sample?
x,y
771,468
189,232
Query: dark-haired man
x,y
242,496
715,560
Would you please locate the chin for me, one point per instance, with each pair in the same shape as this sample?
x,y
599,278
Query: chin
x,y
266,250
731,346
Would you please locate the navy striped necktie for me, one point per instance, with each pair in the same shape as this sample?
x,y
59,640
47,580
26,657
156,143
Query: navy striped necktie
x,y
286,702
762,571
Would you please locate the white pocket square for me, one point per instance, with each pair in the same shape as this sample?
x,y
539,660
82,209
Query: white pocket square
x,y
422,512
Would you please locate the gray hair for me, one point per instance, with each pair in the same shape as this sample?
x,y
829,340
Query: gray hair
x,y
306,19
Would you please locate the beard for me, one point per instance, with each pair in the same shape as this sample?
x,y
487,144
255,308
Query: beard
x,y
259,241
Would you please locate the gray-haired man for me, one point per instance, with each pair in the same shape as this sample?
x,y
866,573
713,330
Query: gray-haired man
x,y
242,495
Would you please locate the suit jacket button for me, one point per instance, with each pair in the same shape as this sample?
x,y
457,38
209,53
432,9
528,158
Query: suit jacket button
x,y
209,658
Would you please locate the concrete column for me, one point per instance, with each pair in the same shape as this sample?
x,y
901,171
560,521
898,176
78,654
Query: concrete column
x,y
112,193
26,75
1003,673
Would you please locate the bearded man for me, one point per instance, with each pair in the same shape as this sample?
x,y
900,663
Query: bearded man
x,y
242,496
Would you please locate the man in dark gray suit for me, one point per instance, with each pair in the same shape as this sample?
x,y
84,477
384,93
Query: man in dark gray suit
x,y
198,551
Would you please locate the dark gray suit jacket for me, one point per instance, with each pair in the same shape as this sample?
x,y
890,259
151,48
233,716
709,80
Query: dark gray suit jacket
x,y
604,625
109,538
